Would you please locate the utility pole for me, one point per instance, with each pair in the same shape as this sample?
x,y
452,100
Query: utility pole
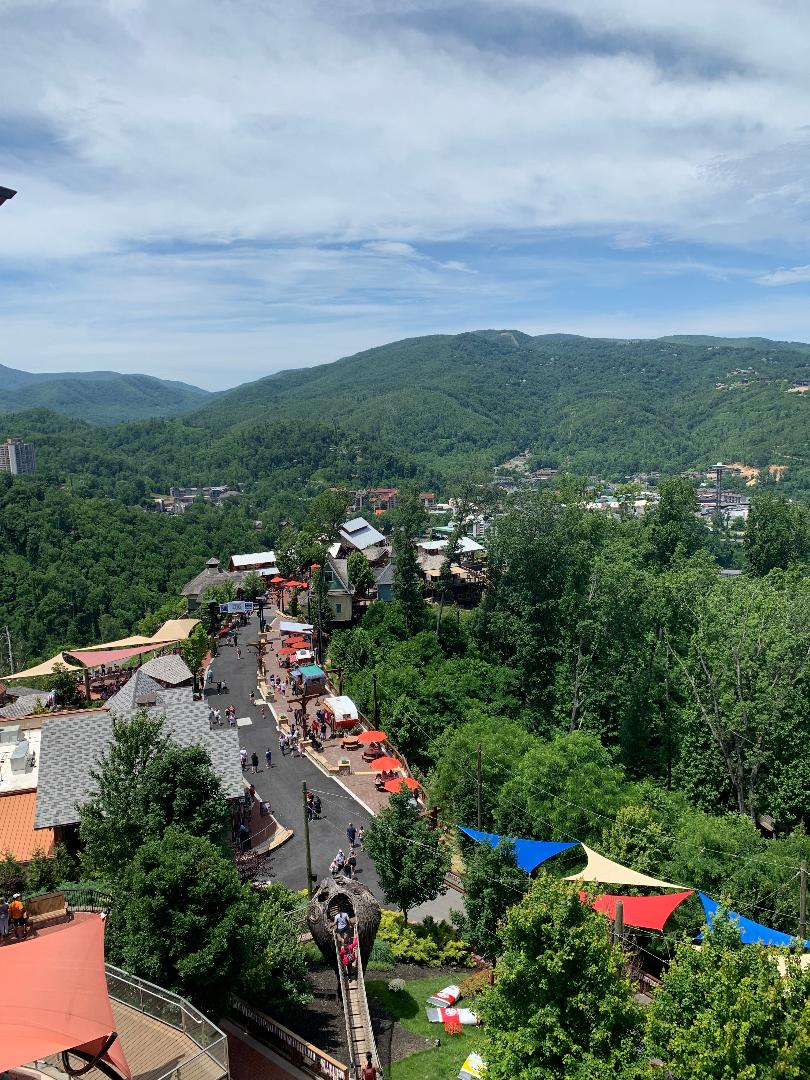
x,y
803,899
478,784
306,838
618,925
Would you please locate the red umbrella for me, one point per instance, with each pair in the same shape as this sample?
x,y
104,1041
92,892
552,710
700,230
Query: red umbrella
x,y
287,652
276,580
386,764
296,584
400,783
372,737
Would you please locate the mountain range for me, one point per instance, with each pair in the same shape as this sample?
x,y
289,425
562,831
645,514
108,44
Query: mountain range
x,y
100,397
425,407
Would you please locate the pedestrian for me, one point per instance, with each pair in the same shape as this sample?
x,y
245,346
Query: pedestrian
x,y
316,805
310,806
351,863
211,716
217,717
264,711
351,834
342,921
282,743
252,697
243,756
238,652
219,686
268,758
17,915
4,917
323,729
254,762
369,1072
361,834
300,747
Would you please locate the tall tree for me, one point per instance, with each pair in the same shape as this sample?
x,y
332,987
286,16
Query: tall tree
x,y
195,649
253,585
361,576
724,1011
493,883
406,583
673,530
561,1005
777,534
410,859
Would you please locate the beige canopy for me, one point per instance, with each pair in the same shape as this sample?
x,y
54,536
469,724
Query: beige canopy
x,y
608,872
47,667
175,630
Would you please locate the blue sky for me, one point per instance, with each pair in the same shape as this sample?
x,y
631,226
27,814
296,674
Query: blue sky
x,y
214,191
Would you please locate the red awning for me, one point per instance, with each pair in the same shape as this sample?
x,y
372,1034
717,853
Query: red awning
x,y
55,997
114,656
646,912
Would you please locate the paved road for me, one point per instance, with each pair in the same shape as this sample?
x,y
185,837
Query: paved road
x,y
281,786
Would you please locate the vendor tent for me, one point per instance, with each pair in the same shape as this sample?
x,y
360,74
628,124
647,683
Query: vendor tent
x,y
750,931
295,627
612,873
341,707
56,998
645,912
528,853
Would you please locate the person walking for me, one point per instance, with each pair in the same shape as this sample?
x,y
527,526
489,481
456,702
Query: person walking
x,y
351,834
238,652
4,917
282,743
368,1071
243,757
254,762
268,758
316,806
252,697
361,835
351,863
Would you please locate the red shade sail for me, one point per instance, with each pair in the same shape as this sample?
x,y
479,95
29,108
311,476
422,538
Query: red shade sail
x,y
387,764
645,912
372,737
113,656
401,783
55,997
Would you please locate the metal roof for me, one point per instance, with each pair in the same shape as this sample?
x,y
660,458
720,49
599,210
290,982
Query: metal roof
x,y
17,833
360,534
254,559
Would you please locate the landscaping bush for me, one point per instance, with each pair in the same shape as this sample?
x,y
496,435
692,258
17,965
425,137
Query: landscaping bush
x,y
381,958
432,943
475,983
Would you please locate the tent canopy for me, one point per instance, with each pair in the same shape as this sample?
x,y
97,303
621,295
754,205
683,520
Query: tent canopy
x,y
646,912
750,931
528,853
57,998
98,657
612,873
47,667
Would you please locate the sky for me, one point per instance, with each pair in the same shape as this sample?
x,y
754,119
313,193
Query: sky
x,y
213,191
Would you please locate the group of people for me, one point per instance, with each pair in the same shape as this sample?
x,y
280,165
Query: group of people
x,y
347,863
313,806
12,917
215,716
292,742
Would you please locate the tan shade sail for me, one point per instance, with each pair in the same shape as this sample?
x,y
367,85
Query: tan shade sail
x,y
175,630
122,643
608,872
47,667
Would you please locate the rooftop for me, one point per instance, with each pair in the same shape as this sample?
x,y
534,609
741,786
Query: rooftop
x,y
360,534
171,669
22,773
256,558
18,837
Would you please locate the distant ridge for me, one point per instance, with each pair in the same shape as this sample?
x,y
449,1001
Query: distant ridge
x,y
100,397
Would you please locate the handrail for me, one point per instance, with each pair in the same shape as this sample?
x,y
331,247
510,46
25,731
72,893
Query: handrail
x,y
365,1016
344,994
371,1042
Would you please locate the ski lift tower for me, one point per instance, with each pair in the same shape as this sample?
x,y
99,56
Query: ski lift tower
x,y
718,470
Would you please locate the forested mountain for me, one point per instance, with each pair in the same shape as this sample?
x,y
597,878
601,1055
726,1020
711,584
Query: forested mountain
x,y
424,407
100,397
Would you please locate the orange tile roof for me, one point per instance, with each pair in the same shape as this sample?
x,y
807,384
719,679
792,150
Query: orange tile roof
x,y
17,832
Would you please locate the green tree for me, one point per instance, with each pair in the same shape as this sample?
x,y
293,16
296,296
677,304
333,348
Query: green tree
x,y
222,593
195,649
182,918
410,859
407,588
253,585
673,531
67,686
327,512
144,784
409,516
277,978
725,1012
361,576
561,1005
777,534
453,780
493,883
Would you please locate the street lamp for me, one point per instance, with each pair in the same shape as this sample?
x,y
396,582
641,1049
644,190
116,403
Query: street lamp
x,y
5,194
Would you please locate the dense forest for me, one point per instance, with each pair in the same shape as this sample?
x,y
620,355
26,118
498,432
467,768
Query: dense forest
x,y
100,397
422,408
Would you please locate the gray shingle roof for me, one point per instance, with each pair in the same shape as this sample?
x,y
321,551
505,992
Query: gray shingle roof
x,y
71,746
23,706
384,575
171,669
140,685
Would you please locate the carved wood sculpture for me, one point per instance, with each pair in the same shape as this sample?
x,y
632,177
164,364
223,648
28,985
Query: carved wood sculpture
x,y
339,893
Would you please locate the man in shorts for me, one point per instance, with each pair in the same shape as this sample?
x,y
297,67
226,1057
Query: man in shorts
x,y
17,916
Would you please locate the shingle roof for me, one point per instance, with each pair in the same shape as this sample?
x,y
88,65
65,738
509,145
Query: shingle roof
x,y
171,669
384,575
202,581
139,685
23,706
71,746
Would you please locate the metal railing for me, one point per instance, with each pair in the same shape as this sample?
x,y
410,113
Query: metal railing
x,y
171,1009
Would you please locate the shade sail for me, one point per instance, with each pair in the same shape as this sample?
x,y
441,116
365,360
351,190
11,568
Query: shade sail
x,y
646,912
122,643
175,630
110,656
47,667
55,997
612,873
750,931
529,854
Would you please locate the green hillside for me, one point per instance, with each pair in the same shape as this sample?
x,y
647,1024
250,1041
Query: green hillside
x,y
100,397
424,407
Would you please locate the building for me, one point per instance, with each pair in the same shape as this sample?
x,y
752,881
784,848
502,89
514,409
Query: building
x,y
257,560
384,582
358,535
340,593
17,457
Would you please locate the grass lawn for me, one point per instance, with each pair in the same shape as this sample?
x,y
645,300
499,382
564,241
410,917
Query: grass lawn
x,y
408,1007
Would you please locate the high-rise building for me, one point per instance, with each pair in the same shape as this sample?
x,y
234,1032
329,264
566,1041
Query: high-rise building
x,y
17,457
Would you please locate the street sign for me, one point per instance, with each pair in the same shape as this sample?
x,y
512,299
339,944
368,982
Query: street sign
x,y
236,607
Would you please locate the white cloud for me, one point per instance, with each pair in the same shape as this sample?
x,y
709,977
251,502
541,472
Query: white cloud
x,y
785,276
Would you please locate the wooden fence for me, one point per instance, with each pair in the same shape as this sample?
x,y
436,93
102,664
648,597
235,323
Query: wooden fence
x,y
288,1044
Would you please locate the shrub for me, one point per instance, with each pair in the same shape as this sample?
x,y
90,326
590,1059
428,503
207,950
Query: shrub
x,y
381,956
434,944
395,985
475,983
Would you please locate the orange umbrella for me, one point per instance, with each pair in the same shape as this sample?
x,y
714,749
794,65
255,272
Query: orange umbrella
x,y
372,737
400,783
386,764
276,580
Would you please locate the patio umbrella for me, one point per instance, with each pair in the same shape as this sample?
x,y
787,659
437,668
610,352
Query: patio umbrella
x,y
277,580
287,652
296,584
386,764
400,783
372,737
